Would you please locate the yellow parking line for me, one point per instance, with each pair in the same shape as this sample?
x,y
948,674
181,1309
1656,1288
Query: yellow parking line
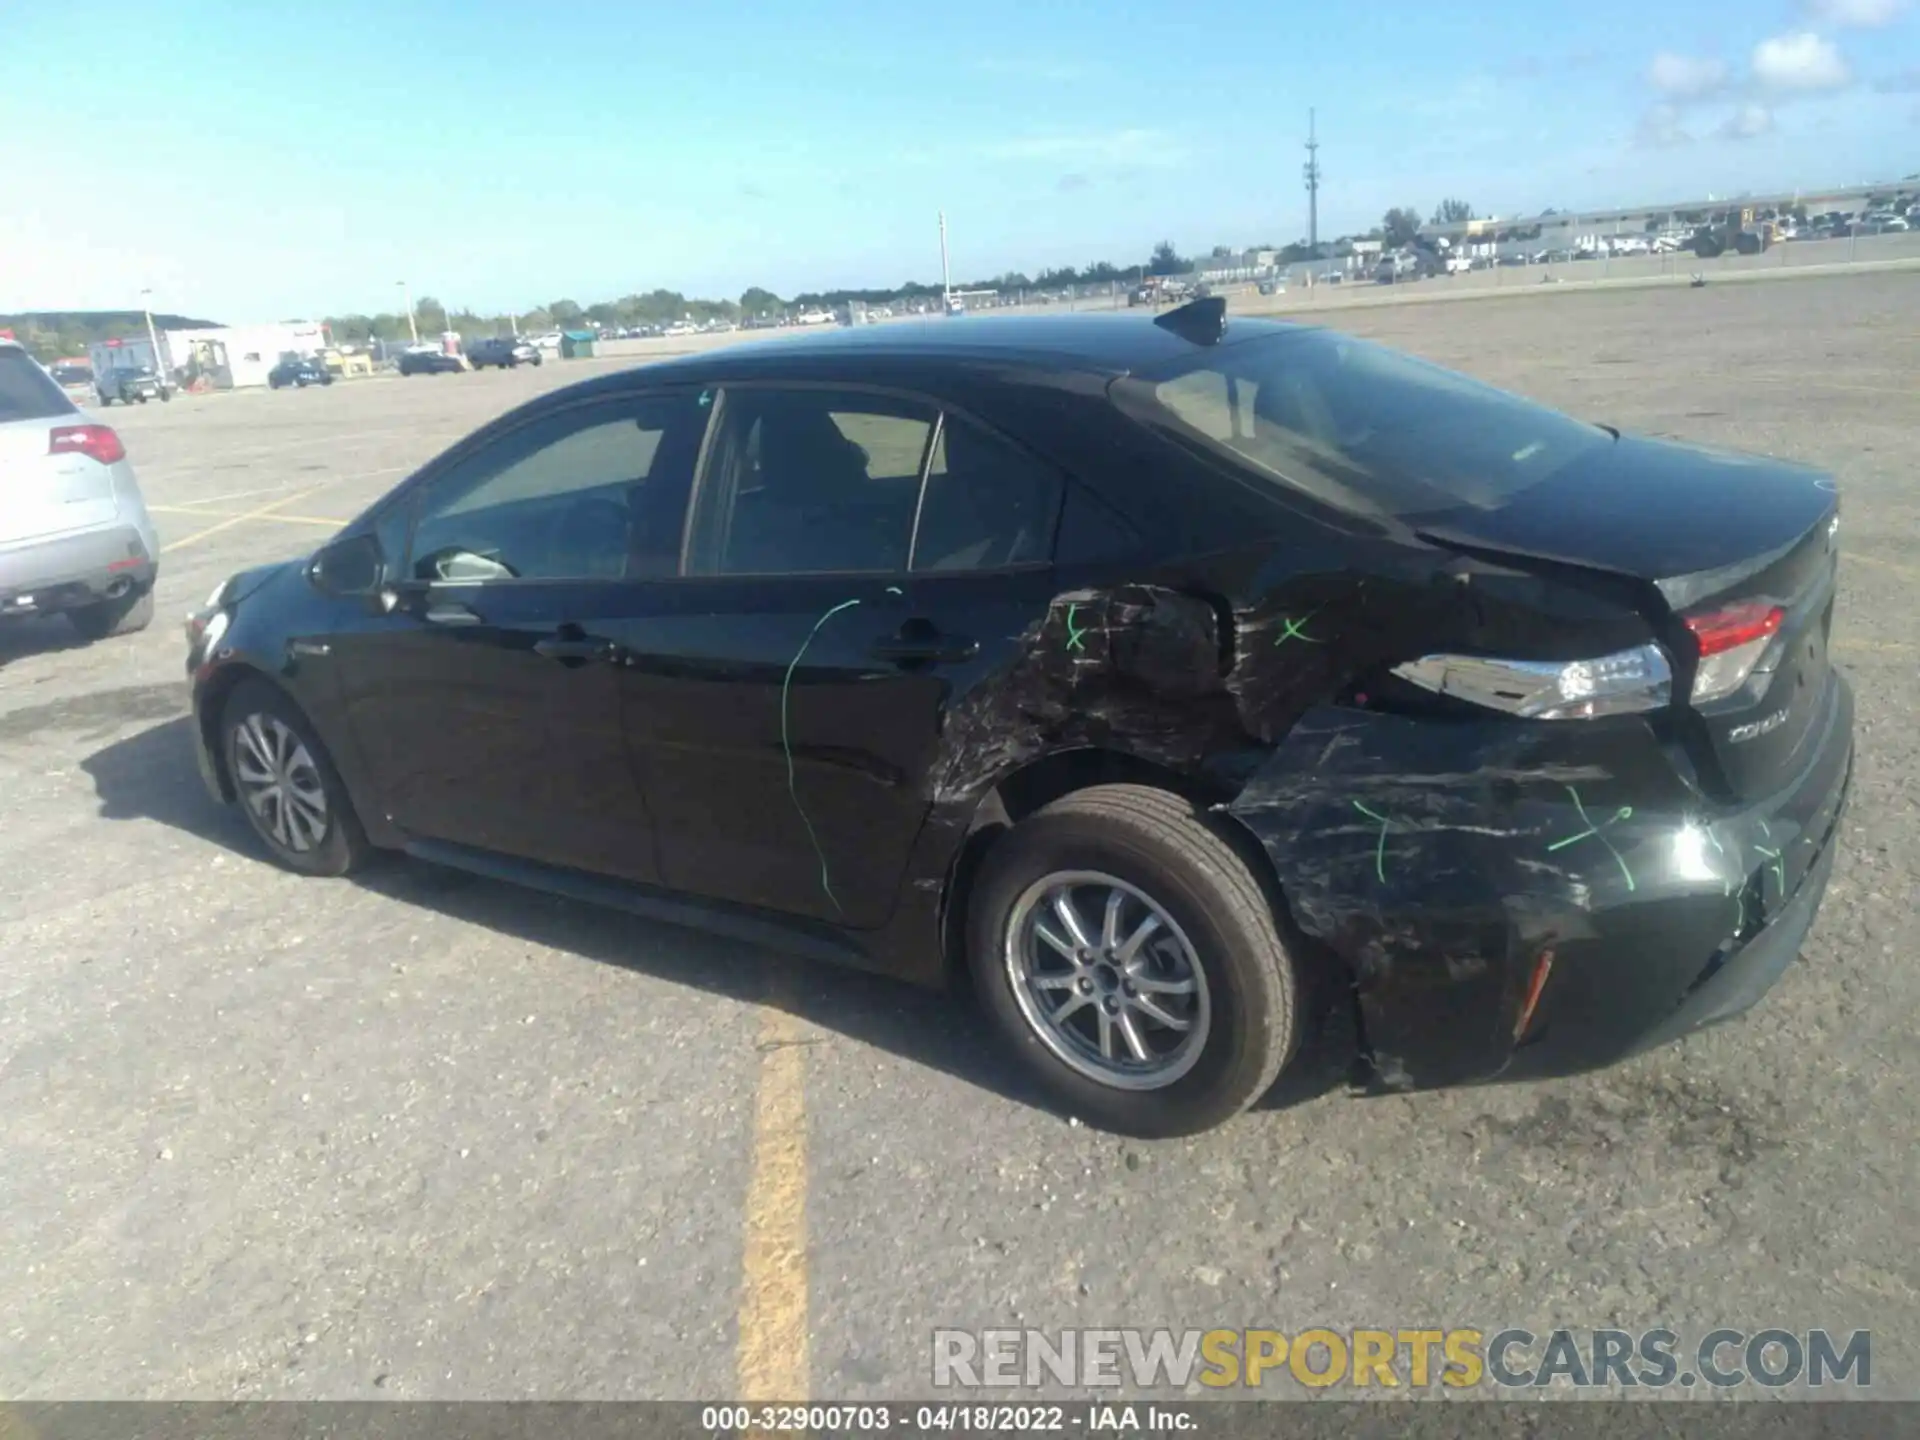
x,y
258,514
773,1268
219,514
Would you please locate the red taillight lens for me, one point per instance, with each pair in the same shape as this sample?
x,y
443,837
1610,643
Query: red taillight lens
x,y
1736,625
97,442
1732,640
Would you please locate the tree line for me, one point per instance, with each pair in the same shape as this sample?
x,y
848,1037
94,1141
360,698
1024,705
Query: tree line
x,y
51,335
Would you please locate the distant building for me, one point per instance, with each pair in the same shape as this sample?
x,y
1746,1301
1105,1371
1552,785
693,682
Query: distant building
x,y
239,356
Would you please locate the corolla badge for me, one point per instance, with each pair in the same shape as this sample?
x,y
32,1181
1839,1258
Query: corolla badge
x,y
1754,729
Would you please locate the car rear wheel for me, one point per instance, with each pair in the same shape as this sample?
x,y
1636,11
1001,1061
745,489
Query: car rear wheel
x,y
122,616
1133,958
286,783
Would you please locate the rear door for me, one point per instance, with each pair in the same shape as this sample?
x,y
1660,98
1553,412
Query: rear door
x,y
43,493
842,587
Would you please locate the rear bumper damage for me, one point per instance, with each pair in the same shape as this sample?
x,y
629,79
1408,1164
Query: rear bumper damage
x,y
1506,912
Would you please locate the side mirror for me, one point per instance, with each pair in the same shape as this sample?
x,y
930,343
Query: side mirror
x,y
351,566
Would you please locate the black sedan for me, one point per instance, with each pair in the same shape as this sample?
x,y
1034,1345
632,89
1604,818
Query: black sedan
x,y
430,362
298,371
1161,673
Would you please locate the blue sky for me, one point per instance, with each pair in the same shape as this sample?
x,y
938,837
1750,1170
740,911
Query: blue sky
x,y
253,161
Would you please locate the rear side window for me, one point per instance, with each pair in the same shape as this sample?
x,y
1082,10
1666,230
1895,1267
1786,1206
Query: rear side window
x,y
987,504
1366,429
810,482
26,391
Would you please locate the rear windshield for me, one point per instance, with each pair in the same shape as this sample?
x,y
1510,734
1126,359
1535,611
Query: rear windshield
x,y
1367,429
26,391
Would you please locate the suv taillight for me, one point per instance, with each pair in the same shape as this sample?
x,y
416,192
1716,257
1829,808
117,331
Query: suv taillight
x,y
96,442
1732,640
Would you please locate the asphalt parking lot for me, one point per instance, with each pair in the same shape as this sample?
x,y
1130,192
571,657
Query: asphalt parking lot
x,y
416,1135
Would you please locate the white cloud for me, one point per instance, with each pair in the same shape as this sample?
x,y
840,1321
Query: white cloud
x,y
1857,14
1660,129
1803,61
1684,77
1746,123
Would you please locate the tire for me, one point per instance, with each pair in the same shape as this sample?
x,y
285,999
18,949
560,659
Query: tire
x,y
113,617
283,737
1243,1020
143,399
166,397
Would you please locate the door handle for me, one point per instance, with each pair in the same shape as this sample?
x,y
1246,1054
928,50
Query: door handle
x,y
555,647
928,649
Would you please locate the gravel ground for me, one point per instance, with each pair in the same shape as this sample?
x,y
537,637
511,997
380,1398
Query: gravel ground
x,y
420,1136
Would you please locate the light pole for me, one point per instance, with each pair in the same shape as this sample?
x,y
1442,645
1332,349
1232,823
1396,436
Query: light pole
x,y
946,277
407,296
153,339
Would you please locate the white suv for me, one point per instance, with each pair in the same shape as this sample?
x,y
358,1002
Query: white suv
x,y
75,538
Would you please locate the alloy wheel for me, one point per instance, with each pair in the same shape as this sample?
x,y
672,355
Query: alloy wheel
x,y
1107,980
279,782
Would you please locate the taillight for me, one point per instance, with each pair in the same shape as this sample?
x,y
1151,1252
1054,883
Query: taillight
x,y
97,442
1623,683
1732,641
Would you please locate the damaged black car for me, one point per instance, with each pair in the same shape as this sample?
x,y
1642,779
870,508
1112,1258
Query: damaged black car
x,y
1157,674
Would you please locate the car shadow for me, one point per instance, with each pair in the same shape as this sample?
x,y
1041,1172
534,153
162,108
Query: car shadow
x,y
152,775
24,635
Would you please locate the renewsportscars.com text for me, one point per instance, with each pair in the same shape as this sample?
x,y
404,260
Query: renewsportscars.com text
x,y
1457,1359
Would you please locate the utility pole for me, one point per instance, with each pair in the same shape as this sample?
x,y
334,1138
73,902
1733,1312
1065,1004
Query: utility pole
x,y
946,278
153,339
1311,171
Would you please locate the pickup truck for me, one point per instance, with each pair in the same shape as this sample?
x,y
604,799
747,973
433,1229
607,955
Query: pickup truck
x,y
128,383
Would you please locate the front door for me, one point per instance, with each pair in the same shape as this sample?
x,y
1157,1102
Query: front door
x,y
788,696
486,705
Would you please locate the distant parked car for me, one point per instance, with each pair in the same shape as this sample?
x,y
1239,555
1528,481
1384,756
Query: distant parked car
x,y
298,371
72,377
128,383
430,362
504,351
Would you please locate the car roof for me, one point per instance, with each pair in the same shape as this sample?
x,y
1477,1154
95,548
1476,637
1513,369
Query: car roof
x,y
1113,344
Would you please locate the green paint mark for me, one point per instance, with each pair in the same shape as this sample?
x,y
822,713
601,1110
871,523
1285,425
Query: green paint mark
x,y
1380,846
1593,831
1778,868
1297,629
1076,634
786,744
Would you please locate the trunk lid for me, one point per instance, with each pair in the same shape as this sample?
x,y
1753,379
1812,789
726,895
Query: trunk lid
x,y
42,494
1704,530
